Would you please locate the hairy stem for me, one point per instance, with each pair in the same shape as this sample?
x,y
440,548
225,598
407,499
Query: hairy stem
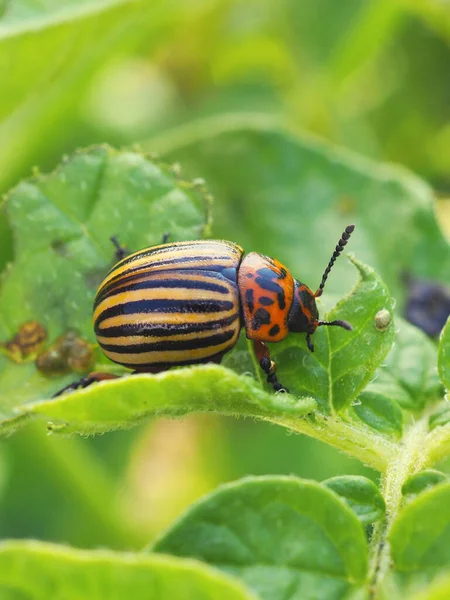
x,y
356,440
407,460
437,445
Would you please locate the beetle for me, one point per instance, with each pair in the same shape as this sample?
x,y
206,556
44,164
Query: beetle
x,y
185,303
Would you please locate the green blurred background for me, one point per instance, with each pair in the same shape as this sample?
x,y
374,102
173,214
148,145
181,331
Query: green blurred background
x,y
372,76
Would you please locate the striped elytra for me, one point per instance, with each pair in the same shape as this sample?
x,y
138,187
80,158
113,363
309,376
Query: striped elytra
x,y
174,304
186,302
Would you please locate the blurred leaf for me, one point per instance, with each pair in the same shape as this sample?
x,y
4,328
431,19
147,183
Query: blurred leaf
x,y
340,42
378,411
343,361
437,590
124,402
435,13
409,375
438,444
361,494
283,536
79,482
6,253
444,356
441,417
371,31
49,52
62,223
420,482
419,535
293,195
43,571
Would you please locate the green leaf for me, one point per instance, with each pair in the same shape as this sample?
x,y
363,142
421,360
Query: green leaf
x,y
419,482
441,417
283,536
437,590
53,49
62,223
361,494
123,402
375,408
346,39
292,196
41,571
419,536
438,439
344,361
411,368
444,355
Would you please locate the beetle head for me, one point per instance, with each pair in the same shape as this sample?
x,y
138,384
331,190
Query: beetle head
x,y
304,315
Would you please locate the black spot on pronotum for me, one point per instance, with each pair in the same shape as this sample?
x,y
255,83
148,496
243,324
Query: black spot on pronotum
x,y
281,300
275,330
261,317
267,284
266,301
250,300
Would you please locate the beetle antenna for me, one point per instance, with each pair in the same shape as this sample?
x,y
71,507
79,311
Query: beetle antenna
x,y
340,246
338,323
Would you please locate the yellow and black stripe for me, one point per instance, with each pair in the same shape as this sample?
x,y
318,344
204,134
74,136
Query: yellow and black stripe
x,y
174,304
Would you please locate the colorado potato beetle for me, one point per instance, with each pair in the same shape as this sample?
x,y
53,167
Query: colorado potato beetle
x,y
185,303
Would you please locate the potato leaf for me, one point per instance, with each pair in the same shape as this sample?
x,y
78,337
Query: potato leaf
x,y
344,361
62,224
284,537
40,571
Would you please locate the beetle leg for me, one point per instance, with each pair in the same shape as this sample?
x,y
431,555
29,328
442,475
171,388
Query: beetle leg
x,y
267,365
121,251
309,342
86,381
216,360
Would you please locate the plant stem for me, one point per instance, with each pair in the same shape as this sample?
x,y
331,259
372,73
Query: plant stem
x,y
408,460
437,445
358,441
